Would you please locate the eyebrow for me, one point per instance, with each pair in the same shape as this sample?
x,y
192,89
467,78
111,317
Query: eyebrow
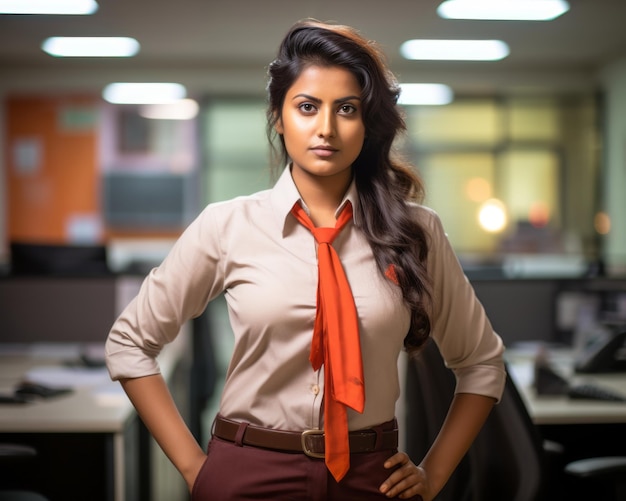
x,y
336,101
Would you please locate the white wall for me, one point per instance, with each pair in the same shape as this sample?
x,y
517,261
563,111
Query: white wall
x,y
614,178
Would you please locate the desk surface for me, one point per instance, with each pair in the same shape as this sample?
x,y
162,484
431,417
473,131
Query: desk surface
x,y
545,409
97,404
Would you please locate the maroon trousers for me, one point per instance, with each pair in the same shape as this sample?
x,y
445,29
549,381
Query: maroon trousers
x,y
233,472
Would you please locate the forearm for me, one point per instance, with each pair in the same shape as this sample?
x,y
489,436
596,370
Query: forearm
x,y
153,401
465,418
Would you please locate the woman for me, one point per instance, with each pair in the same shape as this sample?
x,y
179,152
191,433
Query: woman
x,y
327,277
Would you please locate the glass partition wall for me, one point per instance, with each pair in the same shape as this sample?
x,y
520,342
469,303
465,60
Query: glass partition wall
x,y
508,176
511,176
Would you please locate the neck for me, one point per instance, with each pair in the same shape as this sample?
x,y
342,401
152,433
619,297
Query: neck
x,y
322,195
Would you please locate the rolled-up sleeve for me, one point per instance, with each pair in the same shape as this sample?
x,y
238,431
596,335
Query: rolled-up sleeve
x,y
460,326
171,294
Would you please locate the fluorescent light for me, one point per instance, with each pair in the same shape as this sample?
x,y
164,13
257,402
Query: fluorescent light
x,y
78,7
523,10
143,93
426,94
90,46
184,109
455,50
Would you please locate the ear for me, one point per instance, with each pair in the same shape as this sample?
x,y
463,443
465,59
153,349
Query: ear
x,y
278,126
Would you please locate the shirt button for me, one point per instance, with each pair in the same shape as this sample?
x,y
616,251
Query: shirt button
x,y
315,389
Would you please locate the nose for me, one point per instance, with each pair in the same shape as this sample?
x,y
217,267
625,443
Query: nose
x,y
326,123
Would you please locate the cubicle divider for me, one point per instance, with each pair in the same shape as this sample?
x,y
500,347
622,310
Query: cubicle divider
x,y
549,310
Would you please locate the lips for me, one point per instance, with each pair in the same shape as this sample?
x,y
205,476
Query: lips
x,y
323,150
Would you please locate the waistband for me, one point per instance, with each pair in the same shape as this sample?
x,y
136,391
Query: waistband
x,y
309,442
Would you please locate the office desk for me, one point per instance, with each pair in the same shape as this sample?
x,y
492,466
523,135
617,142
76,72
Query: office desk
x,y
549,409
586,428
89,437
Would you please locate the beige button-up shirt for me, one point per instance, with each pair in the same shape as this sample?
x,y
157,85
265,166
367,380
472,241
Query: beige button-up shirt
x,y
252,249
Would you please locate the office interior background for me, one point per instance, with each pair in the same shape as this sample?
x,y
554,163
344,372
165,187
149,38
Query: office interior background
x,y
541,131
526,164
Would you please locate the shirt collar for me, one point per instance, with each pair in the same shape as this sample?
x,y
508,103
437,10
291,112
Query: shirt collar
x,y
285,194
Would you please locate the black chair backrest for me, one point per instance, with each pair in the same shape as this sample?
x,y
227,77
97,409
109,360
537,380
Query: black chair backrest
x,y
429,391
506,459
507,456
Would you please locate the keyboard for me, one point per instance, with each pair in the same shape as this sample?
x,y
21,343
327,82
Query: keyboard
x,y
593,392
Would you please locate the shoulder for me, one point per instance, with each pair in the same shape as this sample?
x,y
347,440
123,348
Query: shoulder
x,y
219,220
425,216
237,207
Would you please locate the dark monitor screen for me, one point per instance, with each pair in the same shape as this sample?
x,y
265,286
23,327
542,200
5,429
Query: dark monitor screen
x,y
147,200
50,259
520,309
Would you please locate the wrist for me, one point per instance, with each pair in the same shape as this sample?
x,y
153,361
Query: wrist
x,y
435,480
192,466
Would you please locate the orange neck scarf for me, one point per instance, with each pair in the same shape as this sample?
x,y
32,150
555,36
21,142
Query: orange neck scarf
x,y
336,343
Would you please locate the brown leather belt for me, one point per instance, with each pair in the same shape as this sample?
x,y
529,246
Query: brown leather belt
x,y
309,442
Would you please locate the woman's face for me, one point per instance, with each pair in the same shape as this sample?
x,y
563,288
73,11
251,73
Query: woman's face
x,y
322,124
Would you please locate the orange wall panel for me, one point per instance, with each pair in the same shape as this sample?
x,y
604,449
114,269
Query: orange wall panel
x,y
52,165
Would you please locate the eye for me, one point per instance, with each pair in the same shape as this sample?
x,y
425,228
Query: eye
x,y
347,109
306,107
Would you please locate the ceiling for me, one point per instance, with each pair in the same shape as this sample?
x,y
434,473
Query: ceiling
x,y
225,46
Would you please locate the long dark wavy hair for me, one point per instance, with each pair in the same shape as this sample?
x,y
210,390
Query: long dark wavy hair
x,y
385,183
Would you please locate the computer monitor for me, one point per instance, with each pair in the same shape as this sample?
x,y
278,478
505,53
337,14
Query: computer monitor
x,y
148,201
38,259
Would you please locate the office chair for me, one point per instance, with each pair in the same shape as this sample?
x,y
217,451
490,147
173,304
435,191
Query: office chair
x,y
428,394
508,460
14,462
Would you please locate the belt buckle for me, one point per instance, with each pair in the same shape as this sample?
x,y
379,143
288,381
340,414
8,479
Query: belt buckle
x,y
305,449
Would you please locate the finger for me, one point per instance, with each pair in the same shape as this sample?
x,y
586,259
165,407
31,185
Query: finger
x,y
401,479
403,488
400,458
